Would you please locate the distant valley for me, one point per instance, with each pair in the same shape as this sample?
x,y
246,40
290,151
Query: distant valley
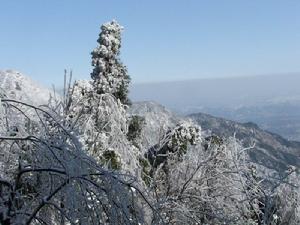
x,y
271,101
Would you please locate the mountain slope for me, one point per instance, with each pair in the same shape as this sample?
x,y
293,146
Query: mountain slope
x,y
158,119
281,118
270,150
17,86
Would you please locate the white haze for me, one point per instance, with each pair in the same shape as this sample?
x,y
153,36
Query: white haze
x,y
271,101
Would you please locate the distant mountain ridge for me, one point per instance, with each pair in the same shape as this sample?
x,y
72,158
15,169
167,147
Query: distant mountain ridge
x,y
271,101
270,150
280,118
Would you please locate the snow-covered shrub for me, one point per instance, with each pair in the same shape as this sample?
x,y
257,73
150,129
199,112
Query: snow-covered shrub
x,y
111,159
146,170
52,180
174,144
182,135
135,127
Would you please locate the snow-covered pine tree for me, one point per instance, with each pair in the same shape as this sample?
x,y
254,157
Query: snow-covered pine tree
x,y
109,74
99,106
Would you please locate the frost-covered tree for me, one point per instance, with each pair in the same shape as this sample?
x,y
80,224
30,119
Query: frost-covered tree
x,y
174,144
99,106
47,177
109,74
102,122
62,158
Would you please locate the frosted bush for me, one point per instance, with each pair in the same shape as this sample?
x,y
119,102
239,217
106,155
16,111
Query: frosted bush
x,y
184,134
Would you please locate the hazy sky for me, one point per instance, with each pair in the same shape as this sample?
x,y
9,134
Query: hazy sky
x,y
163,40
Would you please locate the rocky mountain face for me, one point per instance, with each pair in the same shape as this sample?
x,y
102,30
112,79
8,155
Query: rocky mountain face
x,y
266,149
16,86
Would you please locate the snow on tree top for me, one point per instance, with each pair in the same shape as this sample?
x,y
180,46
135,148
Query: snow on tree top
x,y
109,74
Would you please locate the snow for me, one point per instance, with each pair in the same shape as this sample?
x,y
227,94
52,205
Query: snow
x,y
109,73
17,86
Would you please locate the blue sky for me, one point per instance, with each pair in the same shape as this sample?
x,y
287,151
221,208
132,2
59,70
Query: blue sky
x,y
163,39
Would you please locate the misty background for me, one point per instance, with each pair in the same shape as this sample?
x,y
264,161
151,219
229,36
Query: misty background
x,y
271,101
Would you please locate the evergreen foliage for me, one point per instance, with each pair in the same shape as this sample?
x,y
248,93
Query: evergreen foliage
x,y
109,74
135,127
